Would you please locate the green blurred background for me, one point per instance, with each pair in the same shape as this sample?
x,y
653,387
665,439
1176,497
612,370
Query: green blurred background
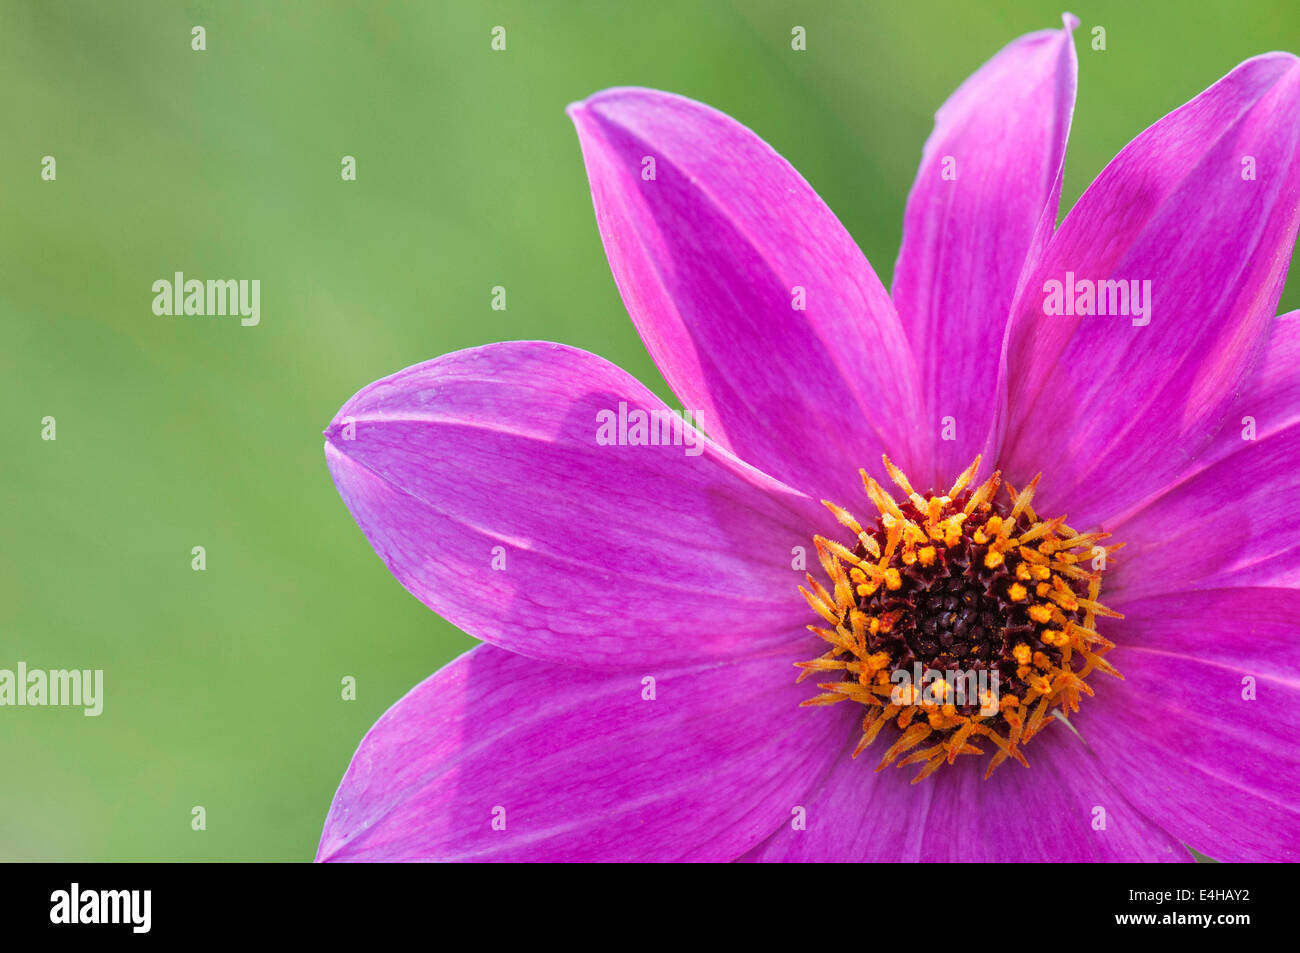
x,y
223,686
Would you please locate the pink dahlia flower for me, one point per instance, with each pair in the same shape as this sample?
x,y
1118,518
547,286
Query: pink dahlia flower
x,y
637,584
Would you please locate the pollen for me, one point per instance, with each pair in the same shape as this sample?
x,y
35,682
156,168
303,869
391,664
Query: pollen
x,y
961,622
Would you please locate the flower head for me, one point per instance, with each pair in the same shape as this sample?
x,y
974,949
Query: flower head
x,y
637,574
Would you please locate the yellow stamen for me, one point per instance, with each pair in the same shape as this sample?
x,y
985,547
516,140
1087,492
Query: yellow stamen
x,y
924,578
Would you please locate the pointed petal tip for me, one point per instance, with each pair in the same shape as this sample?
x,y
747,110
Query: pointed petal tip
x,y
582,105
642,94
1286,60
331,433
1070,20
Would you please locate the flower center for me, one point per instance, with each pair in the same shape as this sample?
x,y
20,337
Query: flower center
x,y
958,617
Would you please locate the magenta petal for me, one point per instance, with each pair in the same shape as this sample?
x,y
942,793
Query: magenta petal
x,y
581,765
479,479
711,255
1270,402
1112,411
1228,522
985,195
1179,735
1059,809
